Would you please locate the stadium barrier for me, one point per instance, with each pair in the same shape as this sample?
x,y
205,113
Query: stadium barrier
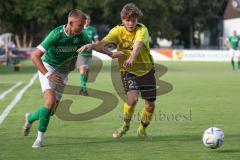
x,y
161,55
183,55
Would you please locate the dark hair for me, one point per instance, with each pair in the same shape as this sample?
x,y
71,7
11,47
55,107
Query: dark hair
x,y
130,10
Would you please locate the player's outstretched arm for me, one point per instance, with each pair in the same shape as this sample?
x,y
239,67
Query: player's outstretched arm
x,y
226,42
100,47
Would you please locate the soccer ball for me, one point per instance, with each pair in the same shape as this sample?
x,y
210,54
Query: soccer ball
x,y
213,137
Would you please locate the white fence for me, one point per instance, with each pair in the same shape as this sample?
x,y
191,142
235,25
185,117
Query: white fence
x,y
183,55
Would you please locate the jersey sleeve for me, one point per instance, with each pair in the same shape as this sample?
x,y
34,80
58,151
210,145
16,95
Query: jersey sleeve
x,y
142,35
47,42
86,39
95,34
112,36
228,38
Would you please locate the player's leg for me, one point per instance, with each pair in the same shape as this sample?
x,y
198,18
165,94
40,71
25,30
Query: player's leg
x,y
84,63
147,85
31,118
238,62
238,59
232,59
51,99
44,116
83,79
146,117
43,112
132,92
59,88
128,111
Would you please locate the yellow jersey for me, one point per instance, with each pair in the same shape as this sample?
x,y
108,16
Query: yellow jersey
x,y
125,41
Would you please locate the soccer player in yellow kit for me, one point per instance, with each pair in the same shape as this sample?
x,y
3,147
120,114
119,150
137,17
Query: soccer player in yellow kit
x,y
136,66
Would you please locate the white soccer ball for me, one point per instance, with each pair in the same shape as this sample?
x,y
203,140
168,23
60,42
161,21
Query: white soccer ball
x,y
213,137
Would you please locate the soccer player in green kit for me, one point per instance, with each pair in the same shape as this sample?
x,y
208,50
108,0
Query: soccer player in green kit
x,y
232,43
85,58
51,58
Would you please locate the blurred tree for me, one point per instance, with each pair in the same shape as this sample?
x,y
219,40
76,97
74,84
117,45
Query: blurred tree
x,y
195,16
176,20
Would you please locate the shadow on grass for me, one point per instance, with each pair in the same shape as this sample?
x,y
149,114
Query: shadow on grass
x,y
126,140
5,70
228,151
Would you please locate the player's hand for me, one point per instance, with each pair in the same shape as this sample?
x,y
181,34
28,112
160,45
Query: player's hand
x,y
117,54
86,47
54,77
128,62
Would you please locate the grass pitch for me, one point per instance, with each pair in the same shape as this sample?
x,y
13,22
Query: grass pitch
x,y
204,94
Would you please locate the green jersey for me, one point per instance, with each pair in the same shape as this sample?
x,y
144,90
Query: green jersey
x,y
234,41
91,32
60,49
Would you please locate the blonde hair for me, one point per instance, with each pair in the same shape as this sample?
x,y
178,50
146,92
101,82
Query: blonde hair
x,y
76,13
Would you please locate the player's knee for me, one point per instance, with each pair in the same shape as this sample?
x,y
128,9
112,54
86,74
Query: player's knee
x,y
83,69
50,99
132,101
149,106
150,109
50,103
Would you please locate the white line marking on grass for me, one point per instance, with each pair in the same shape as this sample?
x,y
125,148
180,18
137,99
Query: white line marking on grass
x,y
10,90
17,98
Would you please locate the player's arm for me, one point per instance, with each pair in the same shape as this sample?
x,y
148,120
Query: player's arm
x,y
39,52
136,50
103,48
100,47
142,37
226,42
36,59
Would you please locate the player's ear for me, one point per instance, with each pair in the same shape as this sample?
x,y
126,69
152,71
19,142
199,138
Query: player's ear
x,y
122,18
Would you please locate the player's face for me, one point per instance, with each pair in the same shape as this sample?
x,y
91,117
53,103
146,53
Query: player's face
x,y
77,25
130,24
88,21
234,33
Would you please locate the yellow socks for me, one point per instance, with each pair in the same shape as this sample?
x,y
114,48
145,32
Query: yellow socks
x,y
146,118
127,115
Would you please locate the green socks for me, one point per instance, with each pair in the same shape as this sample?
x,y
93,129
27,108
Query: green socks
x,y
34,116
232,62
83,81
43,115
233,65
44,118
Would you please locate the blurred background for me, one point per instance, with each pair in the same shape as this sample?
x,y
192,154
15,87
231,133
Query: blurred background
x,y
205,88
172,23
